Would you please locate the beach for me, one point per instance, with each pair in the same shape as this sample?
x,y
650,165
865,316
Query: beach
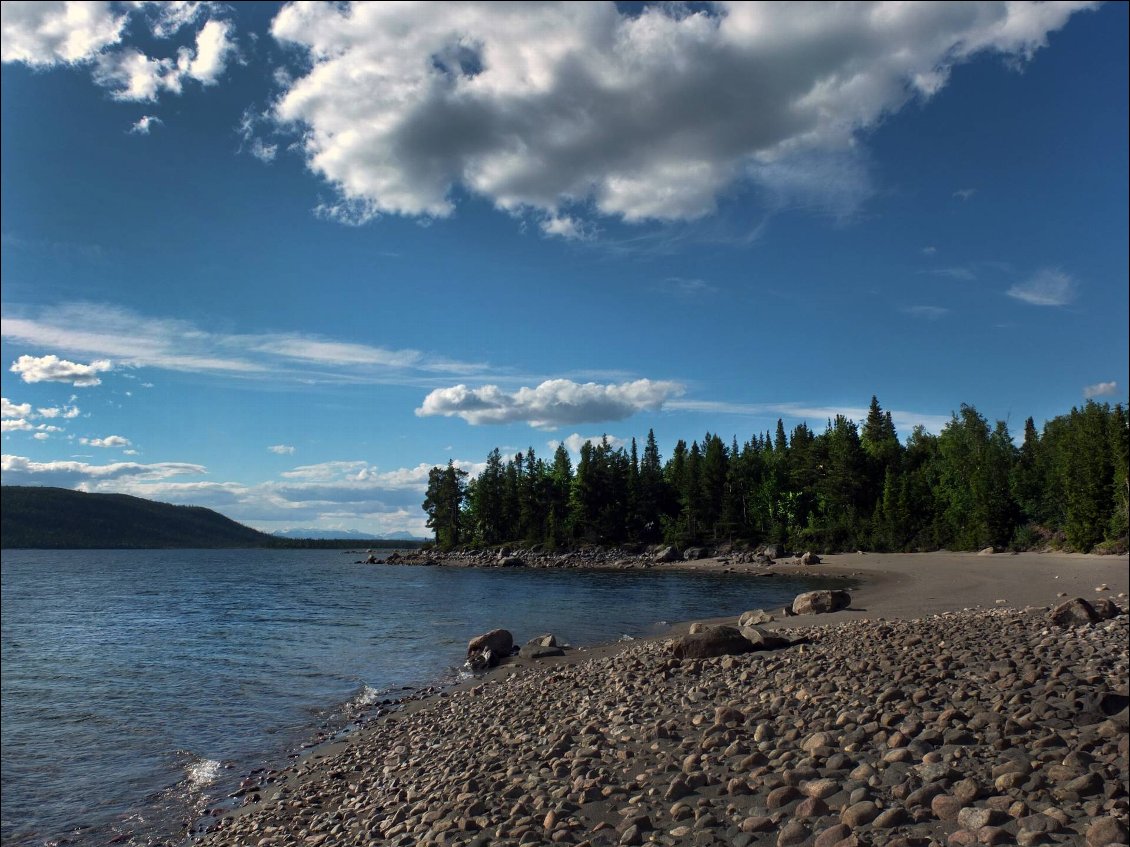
x,y
943,707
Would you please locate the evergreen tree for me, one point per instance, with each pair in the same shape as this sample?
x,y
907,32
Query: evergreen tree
x,y
443,504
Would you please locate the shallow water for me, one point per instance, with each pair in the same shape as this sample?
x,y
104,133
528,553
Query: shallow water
x,y
138,685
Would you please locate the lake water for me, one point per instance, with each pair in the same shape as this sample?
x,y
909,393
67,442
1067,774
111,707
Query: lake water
x,y
139,686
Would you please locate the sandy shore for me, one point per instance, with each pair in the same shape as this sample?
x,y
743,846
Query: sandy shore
x,y
941,708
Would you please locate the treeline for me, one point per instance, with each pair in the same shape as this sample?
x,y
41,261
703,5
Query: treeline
x,y
849,487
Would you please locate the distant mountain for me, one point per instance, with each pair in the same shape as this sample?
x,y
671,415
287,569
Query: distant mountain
x,y
404,536
340,534
33,516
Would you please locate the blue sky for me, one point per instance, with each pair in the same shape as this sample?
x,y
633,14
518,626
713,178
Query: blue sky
x,y
279,260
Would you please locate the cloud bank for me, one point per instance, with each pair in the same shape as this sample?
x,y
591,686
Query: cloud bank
x,y
553,403
649,114
1100,389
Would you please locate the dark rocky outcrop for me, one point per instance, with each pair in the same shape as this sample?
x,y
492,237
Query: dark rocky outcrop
x,y
488,649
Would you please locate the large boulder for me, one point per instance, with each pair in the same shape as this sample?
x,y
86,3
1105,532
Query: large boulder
x,y
1074,612
511,562
810,558
772,551
668,554
488,649
716,641
547,640
820,602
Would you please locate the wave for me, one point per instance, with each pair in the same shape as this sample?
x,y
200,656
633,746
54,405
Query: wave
x,y
202,772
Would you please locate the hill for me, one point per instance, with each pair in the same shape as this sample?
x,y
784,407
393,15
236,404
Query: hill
x,y
55,518
58,518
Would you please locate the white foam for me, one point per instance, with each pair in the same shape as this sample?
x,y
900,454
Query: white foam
x,y
367,696
203,772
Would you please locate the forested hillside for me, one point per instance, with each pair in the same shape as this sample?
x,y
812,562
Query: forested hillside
x,y
849,487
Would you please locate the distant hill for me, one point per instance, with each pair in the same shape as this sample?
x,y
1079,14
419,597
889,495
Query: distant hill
x,y
58,518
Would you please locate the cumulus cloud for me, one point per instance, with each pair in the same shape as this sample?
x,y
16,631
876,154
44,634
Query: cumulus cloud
x,y
53,369
15,425
281,449
1047,287
42,34
641,114
108,441
8,409
66,412
1100,389
144,124
553,403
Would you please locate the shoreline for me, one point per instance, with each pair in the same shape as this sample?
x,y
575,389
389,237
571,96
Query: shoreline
x,y
901,587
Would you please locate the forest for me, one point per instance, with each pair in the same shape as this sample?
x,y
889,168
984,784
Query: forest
x,y
851,487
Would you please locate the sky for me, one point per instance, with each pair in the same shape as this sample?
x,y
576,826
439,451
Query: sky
x,y
281,259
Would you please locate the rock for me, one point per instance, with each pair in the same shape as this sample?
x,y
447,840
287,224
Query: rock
x,y
1108,830
668,554
754,617
1106,608
511,562
547,640
1073,613
820,602
717,641
988,551
536,651
772,551
810,559
858,814
491,646
763,639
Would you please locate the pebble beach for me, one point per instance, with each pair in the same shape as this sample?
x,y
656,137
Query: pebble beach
x,y
944,707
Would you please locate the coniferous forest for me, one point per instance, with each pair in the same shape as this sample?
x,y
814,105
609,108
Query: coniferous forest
x,y
850,487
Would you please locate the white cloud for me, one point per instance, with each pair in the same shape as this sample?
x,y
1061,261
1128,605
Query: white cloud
x,y
553,403
66,412
1047,287
53,369
42,34
214,47
964,193
281,449
17,425
134,340
41,436
929,313
8,409
687,287
19,470
574,442
144,124
108,441
1100,389
645,114
262,151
